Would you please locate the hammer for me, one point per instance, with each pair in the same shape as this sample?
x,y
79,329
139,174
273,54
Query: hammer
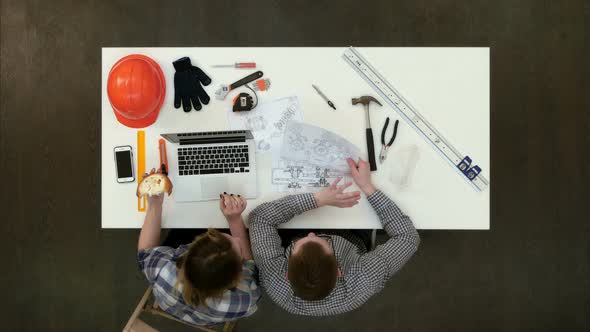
x,y
366,100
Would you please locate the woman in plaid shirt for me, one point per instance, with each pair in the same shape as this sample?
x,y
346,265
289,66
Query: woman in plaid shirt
x,y
209,281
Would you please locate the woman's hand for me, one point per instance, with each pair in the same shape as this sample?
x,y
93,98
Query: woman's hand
x,y
334,195
232,206
361,174
154,201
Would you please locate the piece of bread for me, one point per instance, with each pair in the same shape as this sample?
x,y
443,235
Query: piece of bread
x,y
154,184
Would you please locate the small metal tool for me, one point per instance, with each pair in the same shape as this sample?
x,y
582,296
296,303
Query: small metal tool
x,y
385,147
260,85
243,102
224,89
324,96
238,65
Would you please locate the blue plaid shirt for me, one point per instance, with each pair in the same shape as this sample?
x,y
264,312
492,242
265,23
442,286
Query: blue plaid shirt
x,y
159,266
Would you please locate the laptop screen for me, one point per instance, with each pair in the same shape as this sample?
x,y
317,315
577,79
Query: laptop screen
x,y
209,137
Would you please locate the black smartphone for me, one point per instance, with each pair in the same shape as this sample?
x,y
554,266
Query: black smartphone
x,y
124,163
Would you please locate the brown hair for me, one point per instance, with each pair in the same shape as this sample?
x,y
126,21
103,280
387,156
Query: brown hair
x,y
312,272
208,268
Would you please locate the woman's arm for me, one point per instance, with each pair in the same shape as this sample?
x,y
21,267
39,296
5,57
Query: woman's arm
x,y
150,231
238,229
232,207
152,224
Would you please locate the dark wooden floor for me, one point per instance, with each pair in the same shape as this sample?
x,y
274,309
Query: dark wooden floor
x,y
61,272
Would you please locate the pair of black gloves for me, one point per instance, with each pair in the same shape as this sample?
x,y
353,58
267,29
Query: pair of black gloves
x,y
187,85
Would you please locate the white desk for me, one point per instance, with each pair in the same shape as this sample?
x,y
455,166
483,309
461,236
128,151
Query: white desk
x,y
449,86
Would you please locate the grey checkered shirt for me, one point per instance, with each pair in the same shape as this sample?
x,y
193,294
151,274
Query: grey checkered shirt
x,y
363,273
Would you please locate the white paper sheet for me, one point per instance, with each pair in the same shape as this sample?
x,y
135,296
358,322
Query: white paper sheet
x,y
267,120
296,177
309,158
317,146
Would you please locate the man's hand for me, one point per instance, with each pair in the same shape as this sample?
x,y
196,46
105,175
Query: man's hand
x,y
361,174
232,206
335,196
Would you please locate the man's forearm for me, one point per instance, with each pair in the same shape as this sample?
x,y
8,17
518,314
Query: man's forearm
x,y
284,209
238,229
394,221
368,189
403,242
264,219
150,231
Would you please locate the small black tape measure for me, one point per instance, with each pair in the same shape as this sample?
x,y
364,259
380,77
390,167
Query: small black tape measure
x,y
243,102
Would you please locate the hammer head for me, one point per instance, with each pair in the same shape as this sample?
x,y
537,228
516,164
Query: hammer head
x,y
365,100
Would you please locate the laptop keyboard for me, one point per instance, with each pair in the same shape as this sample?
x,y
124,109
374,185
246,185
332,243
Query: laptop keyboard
x,y
213,160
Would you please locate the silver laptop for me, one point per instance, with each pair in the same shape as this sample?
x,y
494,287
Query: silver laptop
x,y
204,164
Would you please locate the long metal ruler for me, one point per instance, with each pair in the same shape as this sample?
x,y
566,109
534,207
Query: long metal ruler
x,y
462,163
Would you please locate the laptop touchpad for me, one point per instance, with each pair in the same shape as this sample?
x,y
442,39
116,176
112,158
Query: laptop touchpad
x,y
212,187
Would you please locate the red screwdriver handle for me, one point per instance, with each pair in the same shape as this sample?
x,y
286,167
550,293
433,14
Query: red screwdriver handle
x,y
246,65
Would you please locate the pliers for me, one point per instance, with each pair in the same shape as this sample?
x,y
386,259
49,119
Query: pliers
x,y
384,146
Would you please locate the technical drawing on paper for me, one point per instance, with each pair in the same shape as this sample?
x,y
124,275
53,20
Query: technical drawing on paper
x,y
298,177
310,158
267,120
317,146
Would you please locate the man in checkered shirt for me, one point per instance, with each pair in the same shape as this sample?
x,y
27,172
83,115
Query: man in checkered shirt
x,y
320,275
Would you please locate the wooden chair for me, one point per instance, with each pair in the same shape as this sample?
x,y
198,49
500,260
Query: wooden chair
x,y
149,305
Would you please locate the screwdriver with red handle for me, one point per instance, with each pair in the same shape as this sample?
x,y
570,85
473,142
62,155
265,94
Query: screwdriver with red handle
x,y
239,65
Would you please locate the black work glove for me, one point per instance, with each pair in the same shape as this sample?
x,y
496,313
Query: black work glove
x,y
187,85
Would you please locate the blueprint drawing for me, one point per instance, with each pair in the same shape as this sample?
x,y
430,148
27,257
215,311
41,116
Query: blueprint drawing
x,y
298,177
295,177
267,120
316,146
309,158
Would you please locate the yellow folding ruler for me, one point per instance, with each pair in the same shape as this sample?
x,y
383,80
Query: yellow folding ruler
x,y
141,201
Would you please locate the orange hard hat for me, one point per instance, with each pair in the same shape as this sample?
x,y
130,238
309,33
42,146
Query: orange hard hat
x,y
136,89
